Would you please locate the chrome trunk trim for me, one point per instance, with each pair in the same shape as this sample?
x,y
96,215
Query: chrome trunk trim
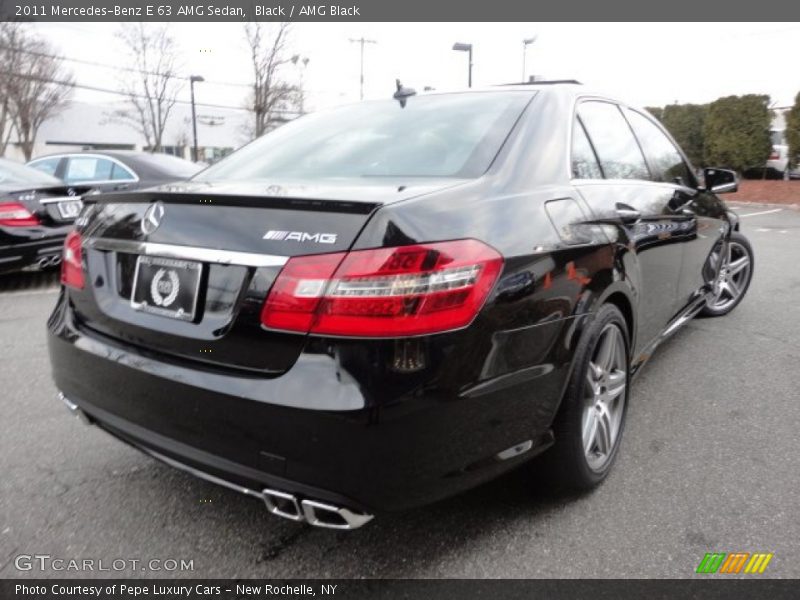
x,y
208,255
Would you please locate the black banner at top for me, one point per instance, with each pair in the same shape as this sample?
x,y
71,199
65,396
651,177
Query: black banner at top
x,y
397,10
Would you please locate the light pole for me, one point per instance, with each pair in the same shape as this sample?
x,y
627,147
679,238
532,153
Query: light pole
x,y
525,43
362,41
301,63
466,48
192,80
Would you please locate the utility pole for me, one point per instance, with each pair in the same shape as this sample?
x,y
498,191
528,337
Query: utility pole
x,y
362,41
192,80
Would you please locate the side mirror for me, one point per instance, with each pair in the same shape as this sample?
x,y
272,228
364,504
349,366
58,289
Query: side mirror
x,y
720,181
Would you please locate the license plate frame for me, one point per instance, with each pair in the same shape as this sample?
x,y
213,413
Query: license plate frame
x,y
69,209
150,296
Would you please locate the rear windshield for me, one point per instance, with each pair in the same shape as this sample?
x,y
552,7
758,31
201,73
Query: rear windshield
x,y
443,135
12,173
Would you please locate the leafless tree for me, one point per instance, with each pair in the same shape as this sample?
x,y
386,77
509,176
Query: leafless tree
x,y
271,94
152,85
35,86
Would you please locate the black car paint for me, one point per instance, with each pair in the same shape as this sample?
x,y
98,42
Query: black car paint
x,y
22,247
343,420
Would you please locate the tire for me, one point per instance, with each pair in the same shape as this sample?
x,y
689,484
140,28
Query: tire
x,y
732,283
572,461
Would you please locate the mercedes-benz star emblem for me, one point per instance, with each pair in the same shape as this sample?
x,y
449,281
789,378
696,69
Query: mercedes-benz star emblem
x,y
152,218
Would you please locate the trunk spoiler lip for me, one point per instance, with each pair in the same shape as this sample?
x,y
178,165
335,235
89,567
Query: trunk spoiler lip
x,y
245,201
362,201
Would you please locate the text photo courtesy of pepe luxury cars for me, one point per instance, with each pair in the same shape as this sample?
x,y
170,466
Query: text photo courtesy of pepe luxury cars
x,y
329,303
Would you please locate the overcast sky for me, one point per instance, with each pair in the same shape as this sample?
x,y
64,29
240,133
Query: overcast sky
x,y
649,64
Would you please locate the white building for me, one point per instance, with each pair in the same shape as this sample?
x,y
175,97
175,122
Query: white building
x,y
84,126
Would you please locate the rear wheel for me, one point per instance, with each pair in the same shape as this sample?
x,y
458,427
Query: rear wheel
x,y
592,417
733,277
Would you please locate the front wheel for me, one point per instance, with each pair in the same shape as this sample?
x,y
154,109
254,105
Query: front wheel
x,y
589,426
734,275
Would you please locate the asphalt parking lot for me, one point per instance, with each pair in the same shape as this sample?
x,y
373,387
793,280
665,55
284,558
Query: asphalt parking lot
x,y
709,463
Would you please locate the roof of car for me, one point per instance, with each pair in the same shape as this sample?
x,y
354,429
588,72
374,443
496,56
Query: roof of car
x,y
141,162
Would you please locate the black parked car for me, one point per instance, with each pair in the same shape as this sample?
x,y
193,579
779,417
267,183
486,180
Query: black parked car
x,y
381,305
116,170
36,211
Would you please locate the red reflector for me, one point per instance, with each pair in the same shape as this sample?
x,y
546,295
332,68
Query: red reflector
x,y
385,292
14,214
72,261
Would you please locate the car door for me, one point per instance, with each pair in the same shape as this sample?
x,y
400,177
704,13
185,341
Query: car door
x,y
698,215
623,195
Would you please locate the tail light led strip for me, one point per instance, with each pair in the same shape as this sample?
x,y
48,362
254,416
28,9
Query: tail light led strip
x,y
384,292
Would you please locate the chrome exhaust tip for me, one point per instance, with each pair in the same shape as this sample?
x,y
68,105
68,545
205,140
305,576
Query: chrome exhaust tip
x,y
332,517
282,504
74,409
312,512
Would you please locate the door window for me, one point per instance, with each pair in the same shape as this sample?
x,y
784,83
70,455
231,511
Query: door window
x,y
619,155
88,168
666,163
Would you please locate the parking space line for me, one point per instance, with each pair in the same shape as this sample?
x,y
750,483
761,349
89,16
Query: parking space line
x,y
50,290
763,212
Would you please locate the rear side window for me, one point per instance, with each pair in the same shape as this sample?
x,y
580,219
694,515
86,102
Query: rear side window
x,y
666,163
584,160
46,165
612,138
119,173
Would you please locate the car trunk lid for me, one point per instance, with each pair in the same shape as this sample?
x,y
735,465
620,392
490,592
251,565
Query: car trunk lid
x,y
219,252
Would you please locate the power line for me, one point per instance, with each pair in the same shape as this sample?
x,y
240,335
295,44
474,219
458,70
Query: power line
x,y
126,94
118,67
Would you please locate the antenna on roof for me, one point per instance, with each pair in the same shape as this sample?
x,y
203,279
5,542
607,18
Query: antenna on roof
x,y
403,93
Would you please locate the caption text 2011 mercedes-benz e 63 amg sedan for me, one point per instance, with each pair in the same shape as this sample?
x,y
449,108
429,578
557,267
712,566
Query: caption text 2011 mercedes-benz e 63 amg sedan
x,y
380,305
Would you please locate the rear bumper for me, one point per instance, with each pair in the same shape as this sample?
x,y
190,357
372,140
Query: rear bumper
x,y
380,447
18,252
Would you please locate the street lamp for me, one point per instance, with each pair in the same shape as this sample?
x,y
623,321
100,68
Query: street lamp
x,y
525,43
465,48
192,80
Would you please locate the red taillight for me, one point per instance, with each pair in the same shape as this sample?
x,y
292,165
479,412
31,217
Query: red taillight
x,y
14,214
774,155
385,292
72,261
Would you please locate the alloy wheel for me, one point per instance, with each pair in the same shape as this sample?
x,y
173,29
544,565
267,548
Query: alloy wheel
x,y
733,277
604,398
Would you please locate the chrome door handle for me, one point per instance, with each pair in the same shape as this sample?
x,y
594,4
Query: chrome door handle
x,y
628,214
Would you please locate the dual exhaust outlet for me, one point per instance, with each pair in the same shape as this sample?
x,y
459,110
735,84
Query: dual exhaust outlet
x,y
49,261
318,514
282,504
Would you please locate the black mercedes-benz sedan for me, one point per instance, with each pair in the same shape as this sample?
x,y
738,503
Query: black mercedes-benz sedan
x,y
36,212
380,305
